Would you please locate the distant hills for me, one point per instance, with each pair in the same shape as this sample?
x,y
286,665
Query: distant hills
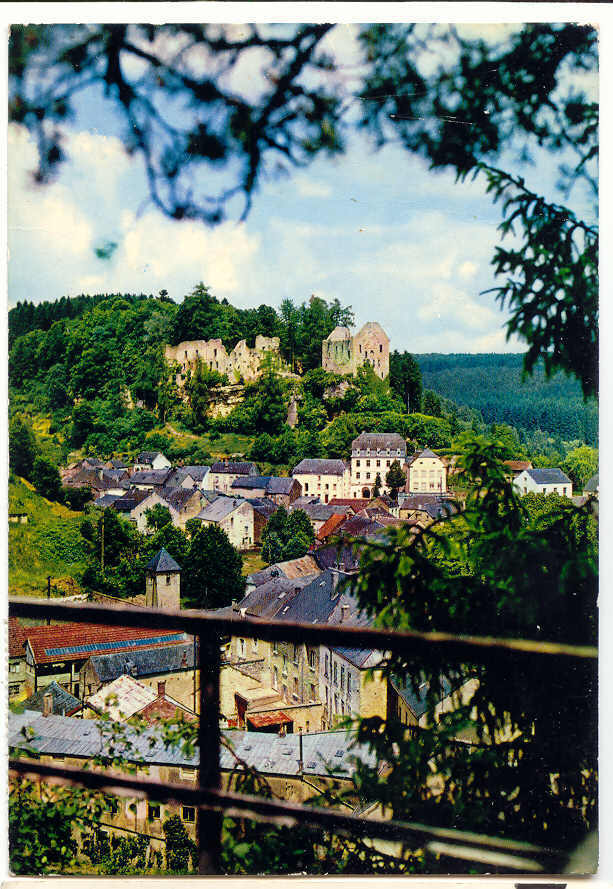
x,y
493,384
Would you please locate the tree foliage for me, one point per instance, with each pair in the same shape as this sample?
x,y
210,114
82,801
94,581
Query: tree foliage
x,y
22,447
212,570
286,535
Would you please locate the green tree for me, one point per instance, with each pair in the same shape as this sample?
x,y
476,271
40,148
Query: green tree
x,y
46,478
180,849
405,380
431,404
287,535
395,479
22,447
270,410
82,423
212,570
157,516
376,491
580,465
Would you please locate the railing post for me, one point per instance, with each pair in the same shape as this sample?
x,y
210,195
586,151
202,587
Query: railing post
x,y
209,822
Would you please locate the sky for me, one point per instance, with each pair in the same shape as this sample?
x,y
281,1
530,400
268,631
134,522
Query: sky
x,y
404,246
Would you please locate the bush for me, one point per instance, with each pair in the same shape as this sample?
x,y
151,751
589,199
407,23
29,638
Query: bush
x,y
46,478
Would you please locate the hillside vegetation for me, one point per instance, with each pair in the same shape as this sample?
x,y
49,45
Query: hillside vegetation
x,y
493,385
50,544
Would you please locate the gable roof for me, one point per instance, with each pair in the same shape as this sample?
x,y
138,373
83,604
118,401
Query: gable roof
x,y
149,477
178,498
263,506
267,599
121,698
251,481
518,465
63,702
346,558
18,635
339,333
316,601
162,563
197,471
363,658
319,467
301,567
331,525
107,500
149,456
81,640
220,508
235,468
355,503
278,484
148,661
548,476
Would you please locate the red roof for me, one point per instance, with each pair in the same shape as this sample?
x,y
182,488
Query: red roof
x,y
331,525
18,635
275,717
355,503
162,708
43,639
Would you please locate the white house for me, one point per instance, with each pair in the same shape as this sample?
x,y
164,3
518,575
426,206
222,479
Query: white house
x,y
222,475
325,479
235,516
148,460
544,481
426,473
372,454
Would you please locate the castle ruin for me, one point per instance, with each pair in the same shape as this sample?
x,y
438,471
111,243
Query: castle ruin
x,y
342,353
242,362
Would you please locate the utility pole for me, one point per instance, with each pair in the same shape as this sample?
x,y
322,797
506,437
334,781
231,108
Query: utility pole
x,y
102,548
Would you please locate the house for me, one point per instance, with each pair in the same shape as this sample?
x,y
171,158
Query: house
x,y
194,476
322,478
53,699
151,460
147,479
342,353
426,473
330,527
318,512
125,698
59,651
425,508
292,568
591,487
222,474
139,508
516,466
544,481
281,491
233,515
349,688
174,664
372,454
411,702
184,503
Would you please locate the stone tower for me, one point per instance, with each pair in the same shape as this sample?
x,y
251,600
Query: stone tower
x,y
163,582
342,353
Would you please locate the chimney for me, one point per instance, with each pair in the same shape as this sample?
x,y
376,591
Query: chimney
x,y
161,688
344,612
47,704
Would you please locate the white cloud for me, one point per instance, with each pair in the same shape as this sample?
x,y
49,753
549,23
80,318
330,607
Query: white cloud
x,y
468,270
309,188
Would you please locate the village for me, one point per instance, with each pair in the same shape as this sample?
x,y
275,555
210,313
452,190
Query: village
x,y
285,708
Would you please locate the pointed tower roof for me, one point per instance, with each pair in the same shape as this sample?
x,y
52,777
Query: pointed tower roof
x,y
162,563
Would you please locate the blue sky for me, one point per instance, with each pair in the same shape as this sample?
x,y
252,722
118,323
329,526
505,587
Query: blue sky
x,y
402,245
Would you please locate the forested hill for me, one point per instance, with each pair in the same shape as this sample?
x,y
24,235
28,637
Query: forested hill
x,y
493,384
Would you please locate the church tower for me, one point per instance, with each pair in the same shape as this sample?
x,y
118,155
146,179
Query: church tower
x,y
163,582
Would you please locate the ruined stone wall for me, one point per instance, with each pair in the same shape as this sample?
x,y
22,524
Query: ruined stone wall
x,y
370,345
241,362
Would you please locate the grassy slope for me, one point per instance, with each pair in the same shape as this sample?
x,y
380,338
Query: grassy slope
x,y
50,544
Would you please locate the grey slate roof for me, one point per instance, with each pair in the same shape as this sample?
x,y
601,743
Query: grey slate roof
x,y
312,466
363,658
263,505
162,563
148,456
332,556
280,485
435,505
267,599
220,508
592,485
177,497
416,698
106,500
548,476
269,754
235,468
144,662
319,512
150,477
382,441
317,600
63,701
251,481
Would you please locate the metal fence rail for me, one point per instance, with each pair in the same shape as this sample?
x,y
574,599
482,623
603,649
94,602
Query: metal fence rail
x,y
212,802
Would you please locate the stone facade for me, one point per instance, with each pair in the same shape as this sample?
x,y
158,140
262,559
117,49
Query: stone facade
x,y
342,353
241,362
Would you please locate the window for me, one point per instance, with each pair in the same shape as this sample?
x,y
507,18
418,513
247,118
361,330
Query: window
x,y
241,647
275,677
14,688
387,462
368,462
168,578
295,686
306,486
313,695
380,347
153,812
336,703
307,725
368,475
336,674
188,814
312,658
188,774
13,668
378,463
326,666
357,475
327,487
254,644
357,462
342,677
295,655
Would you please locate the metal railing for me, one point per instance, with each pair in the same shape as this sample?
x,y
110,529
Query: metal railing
x,y
213,802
